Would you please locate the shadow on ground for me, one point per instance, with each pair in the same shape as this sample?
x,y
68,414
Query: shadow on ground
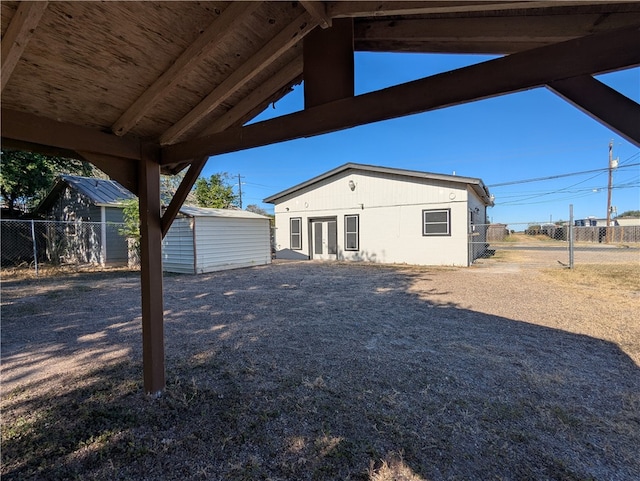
x,y
301,371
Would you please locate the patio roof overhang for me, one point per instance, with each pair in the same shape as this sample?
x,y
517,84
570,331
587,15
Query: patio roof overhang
x,y
142,87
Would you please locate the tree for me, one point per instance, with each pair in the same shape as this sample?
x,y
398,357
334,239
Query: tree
x,y
257,210
630,213
25,177
215,192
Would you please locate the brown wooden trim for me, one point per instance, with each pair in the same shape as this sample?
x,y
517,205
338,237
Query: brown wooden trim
x,y
124,171
289,36
151,276
491,35
181,193
584,56
204,44
25,127
255,99
18,34
609,107
339,9
329,64
318,11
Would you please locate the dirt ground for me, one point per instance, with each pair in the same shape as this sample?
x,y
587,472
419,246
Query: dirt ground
x,y
320,371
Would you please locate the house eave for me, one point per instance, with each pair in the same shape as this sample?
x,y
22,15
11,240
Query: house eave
x,y
477,184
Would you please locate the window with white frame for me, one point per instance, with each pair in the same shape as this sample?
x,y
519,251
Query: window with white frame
x,y
296,233
351,232
436,222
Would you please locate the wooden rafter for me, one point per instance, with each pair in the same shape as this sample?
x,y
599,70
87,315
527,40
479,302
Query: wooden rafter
x,y
375,9
483,34
18,34
125,171
289,36
318,11
241,110
618,112
584,56
233,15
267,89
38,130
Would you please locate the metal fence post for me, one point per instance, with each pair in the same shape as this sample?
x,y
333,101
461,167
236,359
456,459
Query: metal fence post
x,y
570,236
35,246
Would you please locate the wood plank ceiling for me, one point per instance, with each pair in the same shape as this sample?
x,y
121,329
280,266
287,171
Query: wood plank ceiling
x,y
170,72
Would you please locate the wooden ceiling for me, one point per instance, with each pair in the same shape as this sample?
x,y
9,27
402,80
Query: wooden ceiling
x,y
168,72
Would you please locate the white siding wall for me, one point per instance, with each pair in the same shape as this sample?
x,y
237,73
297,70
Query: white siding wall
x,y
227,243
177,247
390,216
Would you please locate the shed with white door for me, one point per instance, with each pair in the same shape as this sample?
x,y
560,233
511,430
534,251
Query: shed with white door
x,y
205,240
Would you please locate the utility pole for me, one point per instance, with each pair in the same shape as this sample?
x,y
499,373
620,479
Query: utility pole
x,y
240,190
612,165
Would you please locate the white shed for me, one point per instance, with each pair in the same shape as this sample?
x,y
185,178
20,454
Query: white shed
x,y
205,240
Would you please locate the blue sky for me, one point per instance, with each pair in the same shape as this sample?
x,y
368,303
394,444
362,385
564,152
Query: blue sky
x,y
513,137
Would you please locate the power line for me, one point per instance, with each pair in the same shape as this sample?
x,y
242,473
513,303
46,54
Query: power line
x,y
551,177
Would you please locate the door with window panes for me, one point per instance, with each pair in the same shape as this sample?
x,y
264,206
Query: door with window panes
x,y
324,239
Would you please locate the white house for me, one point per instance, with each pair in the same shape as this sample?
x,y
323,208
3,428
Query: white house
x,y
206,240
385,215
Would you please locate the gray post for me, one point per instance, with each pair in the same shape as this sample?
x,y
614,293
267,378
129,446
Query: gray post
x,y
570,236
35,248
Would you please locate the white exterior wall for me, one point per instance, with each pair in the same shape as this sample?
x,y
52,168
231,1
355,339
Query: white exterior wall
x,y
390,217
207,244
178,247
229,243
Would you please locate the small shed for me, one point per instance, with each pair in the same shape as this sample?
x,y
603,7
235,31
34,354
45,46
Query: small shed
x,y
86,213
205,240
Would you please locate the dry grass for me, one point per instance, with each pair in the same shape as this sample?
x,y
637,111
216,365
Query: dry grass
x,y
322,372
618,280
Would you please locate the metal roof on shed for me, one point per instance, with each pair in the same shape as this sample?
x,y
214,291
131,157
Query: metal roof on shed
x,y
191,211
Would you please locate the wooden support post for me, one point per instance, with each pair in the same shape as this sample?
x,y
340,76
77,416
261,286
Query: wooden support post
x,y
151,275
328,64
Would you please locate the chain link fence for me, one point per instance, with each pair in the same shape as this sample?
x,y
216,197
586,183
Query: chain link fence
x,y
37,244
545,244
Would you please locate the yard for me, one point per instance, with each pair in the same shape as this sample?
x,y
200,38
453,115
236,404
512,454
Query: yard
x,y
328,371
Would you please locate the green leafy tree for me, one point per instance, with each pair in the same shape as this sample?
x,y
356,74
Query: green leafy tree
x,y
25,177
215,192
630,213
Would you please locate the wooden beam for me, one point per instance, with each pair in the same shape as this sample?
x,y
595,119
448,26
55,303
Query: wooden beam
x,y
208,41
289,36
39,130
151,276
494,35
318,10
618,112
520,71
181,194
125,171
271,86
328,64
18,34
354,9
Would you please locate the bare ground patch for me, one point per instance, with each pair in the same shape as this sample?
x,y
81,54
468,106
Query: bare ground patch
x,y
322,371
